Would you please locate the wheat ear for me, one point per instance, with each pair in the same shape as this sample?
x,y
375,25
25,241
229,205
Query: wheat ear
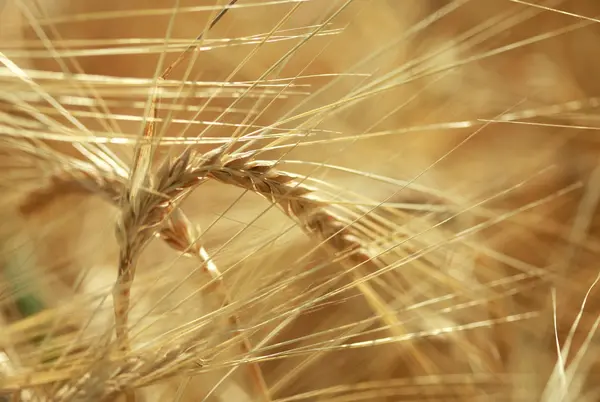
x,y
286,190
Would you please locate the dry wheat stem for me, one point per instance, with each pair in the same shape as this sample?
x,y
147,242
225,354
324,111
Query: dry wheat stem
x,y
183,236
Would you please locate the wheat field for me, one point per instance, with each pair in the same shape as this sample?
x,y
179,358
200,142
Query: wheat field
x,y
299,200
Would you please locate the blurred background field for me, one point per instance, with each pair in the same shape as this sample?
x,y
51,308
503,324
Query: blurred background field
x,y
462,133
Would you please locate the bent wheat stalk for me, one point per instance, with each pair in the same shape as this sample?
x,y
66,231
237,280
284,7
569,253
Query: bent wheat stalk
x,y
157,214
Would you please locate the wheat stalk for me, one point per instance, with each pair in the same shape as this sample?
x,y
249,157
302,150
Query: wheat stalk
x,y
158,214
